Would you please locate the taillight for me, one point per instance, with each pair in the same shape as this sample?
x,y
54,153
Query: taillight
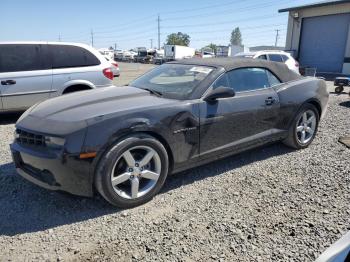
x,y
108,73
115,64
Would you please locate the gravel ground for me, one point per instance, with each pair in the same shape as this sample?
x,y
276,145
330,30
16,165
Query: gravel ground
x,y
271,203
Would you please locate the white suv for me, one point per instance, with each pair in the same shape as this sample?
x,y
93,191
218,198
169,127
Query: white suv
x,y
34,71
272,55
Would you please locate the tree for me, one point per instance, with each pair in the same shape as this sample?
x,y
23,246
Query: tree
x,y
210,48
178,39
213,47
236,37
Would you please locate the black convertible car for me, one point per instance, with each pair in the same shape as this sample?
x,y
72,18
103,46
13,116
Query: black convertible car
x,y
123,142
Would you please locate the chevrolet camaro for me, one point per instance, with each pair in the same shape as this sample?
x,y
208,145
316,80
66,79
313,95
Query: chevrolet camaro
x,y
123,142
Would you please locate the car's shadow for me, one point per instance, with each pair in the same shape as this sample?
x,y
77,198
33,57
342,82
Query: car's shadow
x,y
9,118
345,104
27,208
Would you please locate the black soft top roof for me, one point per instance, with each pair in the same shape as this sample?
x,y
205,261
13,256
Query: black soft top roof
x,y
279,69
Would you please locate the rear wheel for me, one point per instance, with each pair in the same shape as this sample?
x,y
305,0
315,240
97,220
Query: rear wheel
x,y
304,128
132,171
339,89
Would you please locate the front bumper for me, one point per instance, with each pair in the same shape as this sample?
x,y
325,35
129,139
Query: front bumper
x,y
53,170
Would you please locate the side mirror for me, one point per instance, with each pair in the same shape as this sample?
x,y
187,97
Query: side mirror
x,y
220,92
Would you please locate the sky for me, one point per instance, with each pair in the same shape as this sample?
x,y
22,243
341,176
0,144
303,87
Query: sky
x,y
130,24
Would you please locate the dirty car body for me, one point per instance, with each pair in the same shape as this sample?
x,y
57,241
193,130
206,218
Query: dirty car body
x,y
52,136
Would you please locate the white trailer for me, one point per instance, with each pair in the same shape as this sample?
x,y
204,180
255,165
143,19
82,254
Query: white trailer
x,y
177,52
235,49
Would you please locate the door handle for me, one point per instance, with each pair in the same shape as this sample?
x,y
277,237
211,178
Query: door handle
x,y
8,82
269,101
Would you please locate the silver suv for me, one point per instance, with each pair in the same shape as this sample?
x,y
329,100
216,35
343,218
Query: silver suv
x,y
34,71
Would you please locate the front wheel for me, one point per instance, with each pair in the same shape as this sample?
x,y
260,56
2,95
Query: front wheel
x,y
132,171
304,128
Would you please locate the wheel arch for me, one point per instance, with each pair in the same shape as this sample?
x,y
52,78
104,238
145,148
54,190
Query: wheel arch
x,y
77,83
312,101
129,133
315,103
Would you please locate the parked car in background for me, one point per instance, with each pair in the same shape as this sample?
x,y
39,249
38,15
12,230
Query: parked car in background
x,y
129,56
114,67
206,54
124,142
107,52
34,71
276,56
118,54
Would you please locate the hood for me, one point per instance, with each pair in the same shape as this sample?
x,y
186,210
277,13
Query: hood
x,y
92,103
79,107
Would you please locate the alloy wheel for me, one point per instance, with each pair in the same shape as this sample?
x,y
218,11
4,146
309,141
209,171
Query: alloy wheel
x,y
136,172
306,127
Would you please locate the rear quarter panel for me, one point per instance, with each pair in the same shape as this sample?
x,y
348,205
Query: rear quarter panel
x,y
91,76
294,94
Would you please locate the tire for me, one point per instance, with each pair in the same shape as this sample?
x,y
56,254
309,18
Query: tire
x,y
339,89
295,134
116,165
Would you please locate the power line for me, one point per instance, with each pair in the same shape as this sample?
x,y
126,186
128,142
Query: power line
x,y
227,22
105,34
204,7
230,11
229,29
144,20
256,35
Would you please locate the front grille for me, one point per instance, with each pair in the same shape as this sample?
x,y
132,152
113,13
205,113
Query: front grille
x,y
28,138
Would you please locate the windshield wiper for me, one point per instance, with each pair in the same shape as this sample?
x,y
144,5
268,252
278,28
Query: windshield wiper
x,y
153,92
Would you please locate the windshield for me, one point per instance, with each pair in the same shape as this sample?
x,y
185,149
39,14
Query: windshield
x,y
173,80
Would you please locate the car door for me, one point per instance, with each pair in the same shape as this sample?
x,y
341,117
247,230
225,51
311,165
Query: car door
x,y
245,120
25,75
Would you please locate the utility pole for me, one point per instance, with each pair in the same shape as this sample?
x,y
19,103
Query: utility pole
x,y
115,46
92,38
158,20
277,36
151,42
59,38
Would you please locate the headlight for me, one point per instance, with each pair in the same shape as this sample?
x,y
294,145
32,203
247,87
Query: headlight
x,y
54,142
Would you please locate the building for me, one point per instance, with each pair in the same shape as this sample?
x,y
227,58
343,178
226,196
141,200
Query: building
x,y
319,36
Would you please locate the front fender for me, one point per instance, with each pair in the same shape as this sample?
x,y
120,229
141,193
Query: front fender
x,y
176,128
